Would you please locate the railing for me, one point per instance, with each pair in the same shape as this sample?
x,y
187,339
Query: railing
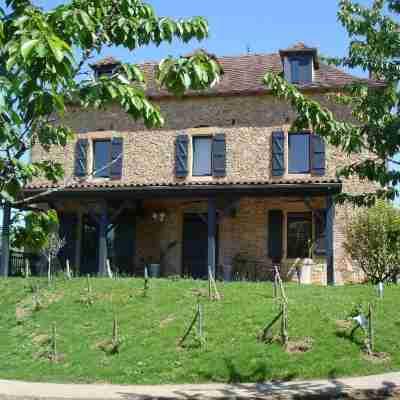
x,y
18,262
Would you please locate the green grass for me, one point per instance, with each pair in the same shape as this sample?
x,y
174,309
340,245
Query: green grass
x,y
151,328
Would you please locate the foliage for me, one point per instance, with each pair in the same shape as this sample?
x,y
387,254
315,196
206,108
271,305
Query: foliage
x,y
151,328
372,239
44,59
374,46
34,235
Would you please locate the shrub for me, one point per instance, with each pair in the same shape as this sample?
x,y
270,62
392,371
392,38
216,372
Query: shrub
x,y
373,241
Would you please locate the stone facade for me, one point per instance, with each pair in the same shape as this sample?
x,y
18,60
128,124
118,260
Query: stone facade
x,y
247,121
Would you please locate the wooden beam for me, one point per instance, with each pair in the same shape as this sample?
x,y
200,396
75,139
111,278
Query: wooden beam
x,y
5,241
330,221
212,230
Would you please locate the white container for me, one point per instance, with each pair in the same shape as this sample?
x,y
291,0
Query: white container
x,y
306,271
227,272
154,270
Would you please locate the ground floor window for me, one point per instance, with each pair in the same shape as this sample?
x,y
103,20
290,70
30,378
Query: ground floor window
x,y
299,234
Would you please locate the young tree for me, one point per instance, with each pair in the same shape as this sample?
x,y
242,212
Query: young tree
x,y
43,53
372,240
53,246
374,46
44,67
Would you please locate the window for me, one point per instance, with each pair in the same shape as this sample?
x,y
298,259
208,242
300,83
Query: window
x,y
320,232
299,153
101,157
202,156
301,69
299,234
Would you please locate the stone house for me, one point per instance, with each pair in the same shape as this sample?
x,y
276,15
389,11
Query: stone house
x,y
222,184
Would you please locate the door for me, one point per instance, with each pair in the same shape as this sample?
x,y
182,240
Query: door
x,y
90,243
195,246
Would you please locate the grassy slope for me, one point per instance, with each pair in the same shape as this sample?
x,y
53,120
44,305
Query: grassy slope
x,y
152,325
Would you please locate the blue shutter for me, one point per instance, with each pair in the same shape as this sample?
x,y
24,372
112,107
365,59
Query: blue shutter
x,y
275,234
219,155
294,70
181,156
117,152
317,155
278,153
81,157
305,69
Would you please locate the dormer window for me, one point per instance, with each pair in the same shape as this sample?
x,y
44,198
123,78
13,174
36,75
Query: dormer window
x,y
299,63
301,69
106,67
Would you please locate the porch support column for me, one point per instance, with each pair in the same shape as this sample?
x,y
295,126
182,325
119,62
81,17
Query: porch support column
x,y
5,241
103,223
330,220
78,243
212,229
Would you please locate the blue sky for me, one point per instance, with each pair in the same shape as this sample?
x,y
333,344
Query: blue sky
x,y
262,25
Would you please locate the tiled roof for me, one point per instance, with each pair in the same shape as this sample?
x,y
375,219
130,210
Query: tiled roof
x,y
123,185
244,75
105,62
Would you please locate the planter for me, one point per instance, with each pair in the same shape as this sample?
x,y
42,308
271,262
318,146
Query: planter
x,y
227,272
306,271
154,270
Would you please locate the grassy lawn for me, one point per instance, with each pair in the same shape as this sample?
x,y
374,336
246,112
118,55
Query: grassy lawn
x,y
151,327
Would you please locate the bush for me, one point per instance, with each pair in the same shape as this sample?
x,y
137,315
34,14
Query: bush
x,y
373,241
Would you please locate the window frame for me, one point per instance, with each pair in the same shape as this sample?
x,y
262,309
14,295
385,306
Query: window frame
x,y
108,169
307,134
210,138
308,216
295,68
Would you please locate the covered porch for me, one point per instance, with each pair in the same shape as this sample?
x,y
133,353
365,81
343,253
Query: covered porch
x,y
187,228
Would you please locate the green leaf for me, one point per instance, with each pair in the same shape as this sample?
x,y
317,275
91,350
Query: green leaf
x,y
27,47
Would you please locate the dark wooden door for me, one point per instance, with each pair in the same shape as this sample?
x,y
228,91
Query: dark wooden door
x,y
195,246
90,244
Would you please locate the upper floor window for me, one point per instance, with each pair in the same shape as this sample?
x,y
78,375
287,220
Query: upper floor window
x,y
301,68
202,156
102,158
299,153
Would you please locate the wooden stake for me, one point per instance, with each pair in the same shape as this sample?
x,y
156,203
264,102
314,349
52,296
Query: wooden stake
x,y
370,330
284,325
89,287
67,269
54,342
27,269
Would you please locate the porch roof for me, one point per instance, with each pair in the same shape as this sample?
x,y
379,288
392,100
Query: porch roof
x,y
113,189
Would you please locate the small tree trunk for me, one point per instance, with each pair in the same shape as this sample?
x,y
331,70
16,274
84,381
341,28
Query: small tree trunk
x,y
370,330
49,270
54,342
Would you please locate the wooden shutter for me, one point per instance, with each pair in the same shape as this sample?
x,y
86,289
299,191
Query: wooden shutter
x,y
305,69
278,153
294,70
275,234
117,151
219,155
181,155
81,157
317,155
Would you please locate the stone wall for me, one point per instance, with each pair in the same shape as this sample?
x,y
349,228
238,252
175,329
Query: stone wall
x,y
247,121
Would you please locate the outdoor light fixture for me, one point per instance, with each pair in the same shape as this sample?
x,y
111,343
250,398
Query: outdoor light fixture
x,y
159,216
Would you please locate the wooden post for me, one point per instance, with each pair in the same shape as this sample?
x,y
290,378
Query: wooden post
x,y
212,229
78,243
284,324
370,330
5,241
103,222
54,342
330,219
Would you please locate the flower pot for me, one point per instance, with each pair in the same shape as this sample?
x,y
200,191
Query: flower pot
x,y
306,271
154,270
227,272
